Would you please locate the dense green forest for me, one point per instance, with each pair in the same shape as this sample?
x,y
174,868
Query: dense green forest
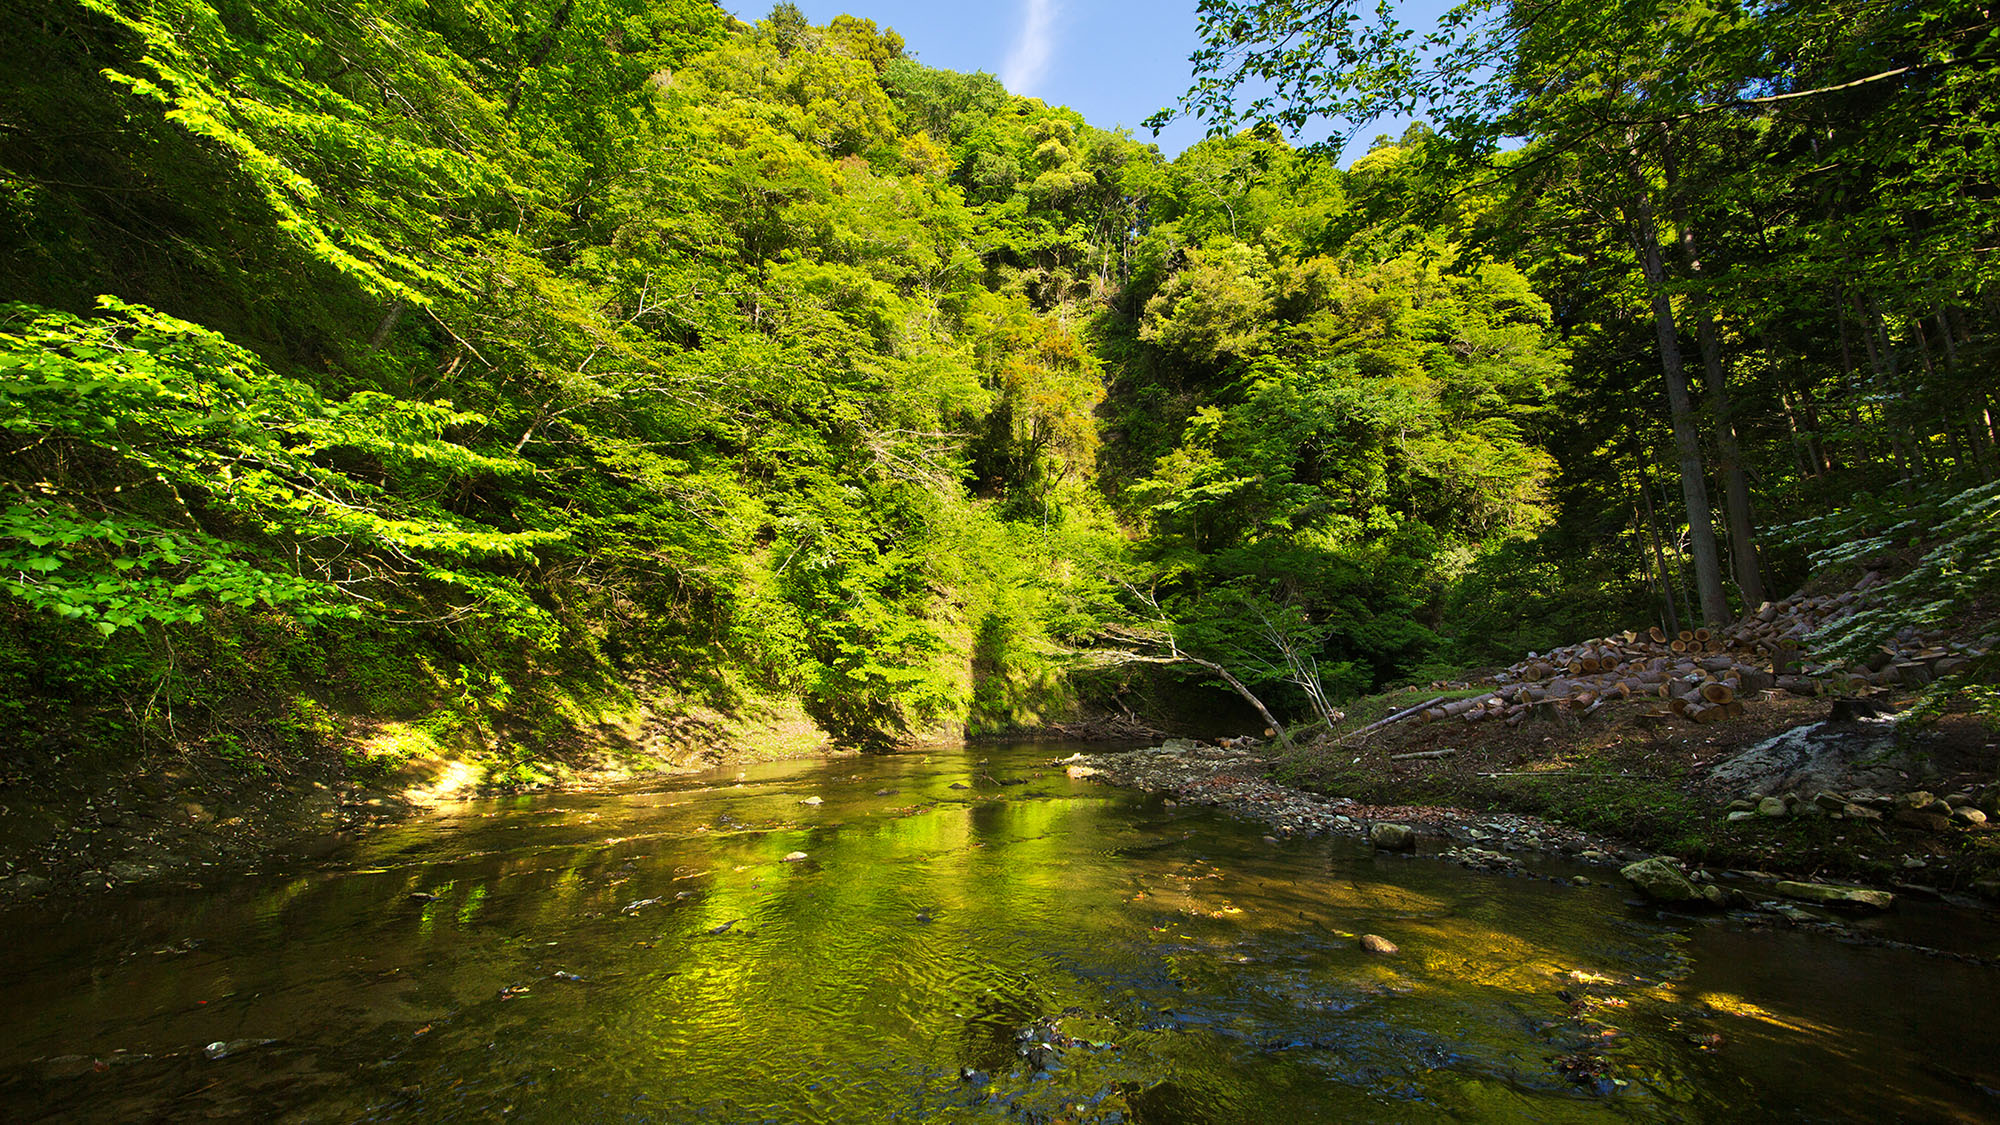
x,y
507,371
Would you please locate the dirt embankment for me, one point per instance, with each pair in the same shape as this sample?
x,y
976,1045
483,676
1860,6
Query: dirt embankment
x,y
1812,788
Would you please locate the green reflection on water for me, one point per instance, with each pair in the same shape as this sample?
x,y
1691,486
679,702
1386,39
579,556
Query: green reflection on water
x,y
950,948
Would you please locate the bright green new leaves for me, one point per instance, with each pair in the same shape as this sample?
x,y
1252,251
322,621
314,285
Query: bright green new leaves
x,y
1391,388
1216,308
125,573
161,470
363,191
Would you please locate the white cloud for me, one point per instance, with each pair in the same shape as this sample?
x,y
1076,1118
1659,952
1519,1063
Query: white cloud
x,y
1028,61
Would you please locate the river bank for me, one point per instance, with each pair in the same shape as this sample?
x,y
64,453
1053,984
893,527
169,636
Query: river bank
x,y
1863,798
1798,789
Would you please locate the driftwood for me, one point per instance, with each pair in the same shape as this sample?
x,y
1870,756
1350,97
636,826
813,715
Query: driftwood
x,y
1414,755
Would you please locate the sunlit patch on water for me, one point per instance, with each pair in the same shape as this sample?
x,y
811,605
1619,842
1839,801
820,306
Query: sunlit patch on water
x,y
948,936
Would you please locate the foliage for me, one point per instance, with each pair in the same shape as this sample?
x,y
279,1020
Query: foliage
x,y
469,362
1955,577
159,470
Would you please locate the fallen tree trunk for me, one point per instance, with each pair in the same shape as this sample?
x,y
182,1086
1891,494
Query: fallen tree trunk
x,y
1399,716
1271,722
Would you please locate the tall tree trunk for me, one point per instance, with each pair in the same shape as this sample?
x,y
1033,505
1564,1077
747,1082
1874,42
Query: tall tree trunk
x,y
1729,457
1645,237
1823,461
1715,384
1882,363
1944,334
387,324
1850,383
1803,453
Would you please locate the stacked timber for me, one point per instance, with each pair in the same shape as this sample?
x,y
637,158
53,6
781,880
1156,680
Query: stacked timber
x,y
1705,675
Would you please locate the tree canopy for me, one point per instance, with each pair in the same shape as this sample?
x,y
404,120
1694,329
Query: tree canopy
x,y
451,361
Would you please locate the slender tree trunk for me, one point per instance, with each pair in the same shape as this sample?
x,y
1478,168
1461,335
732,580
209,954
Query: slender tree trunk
x,y
1882,362
1823,461
387,324
1687,441
1850,384
1802,450
539,55
1715,384
1890,384
1659,567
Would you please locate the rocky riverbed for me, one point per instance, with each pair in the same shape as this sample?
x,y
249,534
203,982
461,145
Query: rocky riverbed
x,y
1235,776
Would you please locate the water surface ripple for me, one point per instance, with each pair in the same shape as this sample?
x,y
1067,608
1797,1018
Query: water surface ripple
x,y
971,936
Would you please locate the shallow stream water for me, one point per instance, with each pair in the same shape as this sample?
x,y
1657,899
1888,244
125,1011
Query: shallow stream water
x,y
971,936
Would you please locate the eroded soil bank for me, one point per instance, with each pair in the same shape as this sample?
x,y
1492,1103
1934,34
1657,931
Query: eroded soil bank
x,y
78,821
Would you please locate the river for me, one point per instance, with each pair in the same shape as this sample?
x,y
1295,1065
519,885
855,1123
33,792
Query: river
x,y
970,936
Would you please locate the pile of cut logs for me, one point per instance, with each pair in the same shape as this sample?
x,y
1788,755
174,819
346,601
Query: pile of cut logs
x,y
1705,675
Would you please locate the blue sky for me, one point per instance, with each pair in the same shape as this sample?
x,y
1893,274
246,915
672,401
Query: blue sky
x,y
1114,61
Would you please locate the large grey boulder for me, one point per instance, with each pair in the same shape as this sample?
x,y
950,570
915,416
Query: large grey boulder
x,y
1393,837
1661,881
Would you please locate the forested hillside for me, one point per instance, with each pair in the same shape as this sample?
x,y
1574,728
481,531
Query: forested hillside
x,y
515,376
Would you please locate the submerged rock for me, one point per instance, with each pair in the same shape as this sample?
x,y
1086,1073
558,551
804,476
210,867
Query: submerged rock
x,y
1844,898
1372,943
1393,837
1661,881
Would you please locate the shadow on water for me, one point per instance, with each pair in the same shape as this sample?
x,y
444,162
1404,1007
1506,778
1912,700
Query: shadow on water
x,y
967,936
